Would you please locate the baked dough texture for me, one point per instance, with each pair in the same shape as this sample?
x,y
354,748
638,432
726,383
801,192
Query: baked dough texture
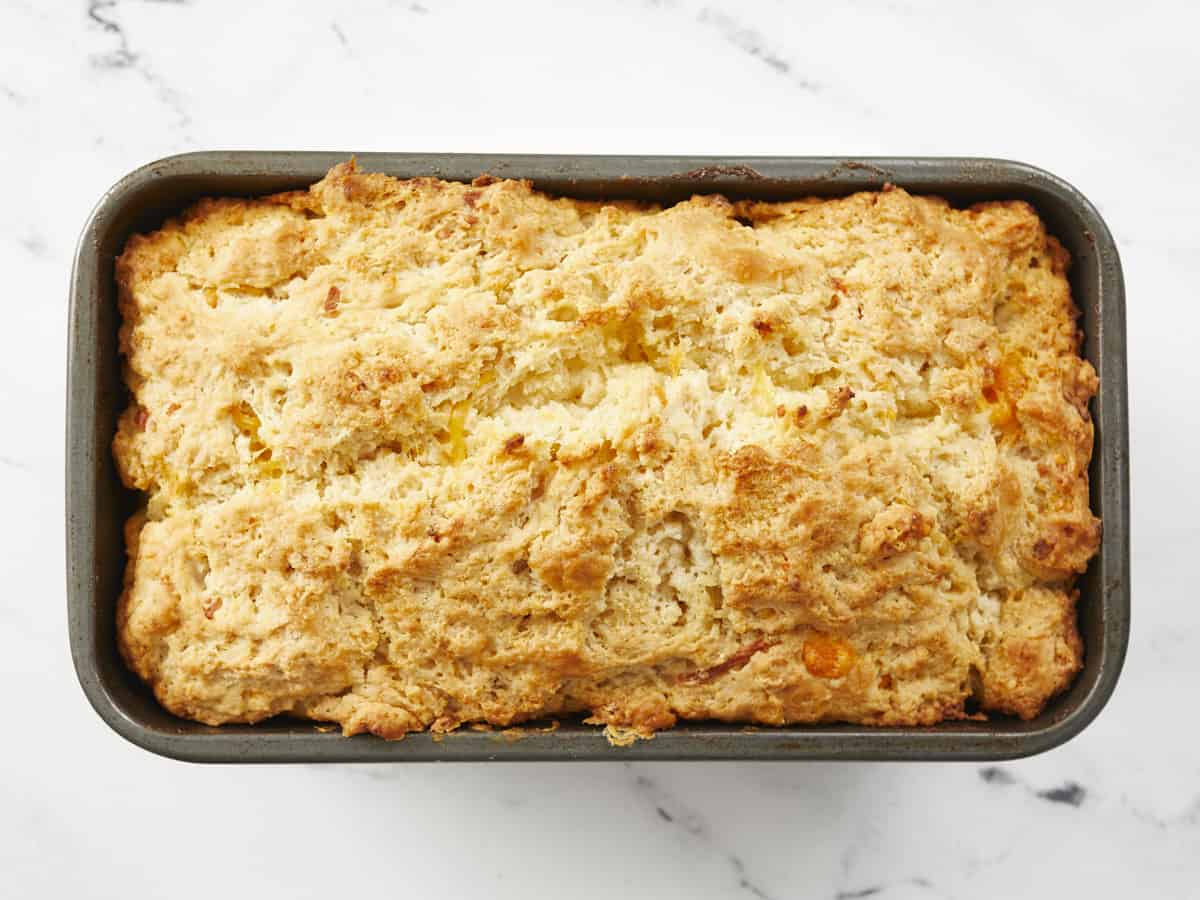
x,y
418,454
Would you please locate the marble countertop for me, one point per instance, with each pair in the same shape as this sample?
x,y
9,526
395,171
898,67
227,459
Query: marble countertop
x,y
1109,99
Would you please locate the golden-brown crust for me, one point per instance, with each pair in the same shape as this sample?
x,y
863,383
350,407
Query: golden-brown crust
x,y
1036,653
419,454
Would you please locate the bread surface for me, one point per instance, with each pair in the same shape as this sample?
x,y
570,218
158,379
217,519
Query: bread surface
x,y
418,454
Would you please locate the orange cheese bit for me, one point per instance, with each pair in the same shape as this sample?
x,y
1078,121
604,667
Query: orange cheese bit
x,y
828,657
1002,392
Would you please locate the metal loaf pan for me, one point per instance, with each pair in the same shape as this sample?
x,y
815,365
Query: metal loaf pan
x,y
97,504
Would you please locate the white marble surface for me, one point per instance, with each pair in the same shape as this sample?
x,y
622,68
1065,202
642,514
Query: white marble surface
x,y
1108,99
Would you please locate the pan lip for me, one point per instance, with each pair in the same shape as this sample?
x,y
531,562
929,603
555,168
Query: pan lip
x,y
693,741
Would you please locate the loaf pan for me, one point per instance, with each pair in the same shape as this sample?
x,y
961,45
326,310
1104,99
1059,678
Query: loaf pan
x,y
97,504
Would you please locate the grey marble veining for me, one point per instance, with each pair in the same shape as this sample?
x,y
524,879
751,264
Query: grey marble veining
x,y
1106,96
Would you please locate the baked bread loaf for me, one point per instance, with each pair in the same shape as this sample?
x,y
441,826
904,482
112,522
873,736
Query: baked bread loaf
x,y
418,454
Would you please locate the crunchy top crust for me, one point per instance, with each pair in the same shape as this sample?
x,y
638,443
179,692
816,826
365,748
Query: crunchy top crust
x,y
420,453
